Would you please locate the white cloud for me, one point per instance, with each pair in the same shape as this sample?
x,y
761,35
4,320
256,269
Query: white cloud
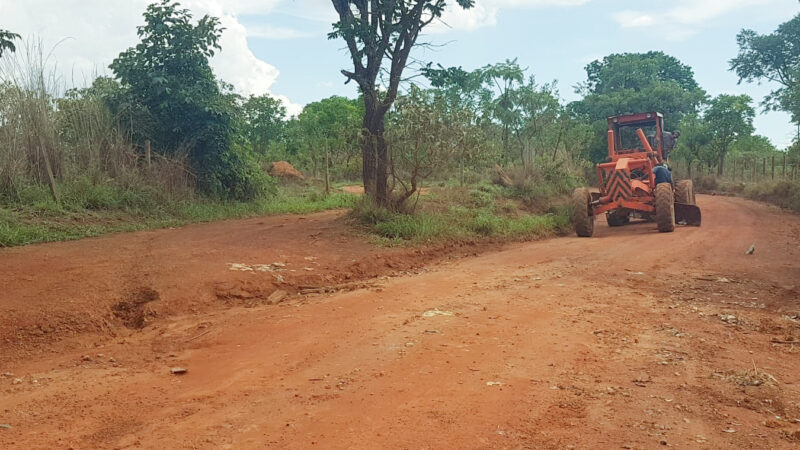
x,y
484,13
685,18
278,33
91,35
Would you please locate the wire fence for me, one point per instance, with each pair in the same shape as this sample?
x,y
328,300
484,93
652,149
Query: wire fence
x,y
742,168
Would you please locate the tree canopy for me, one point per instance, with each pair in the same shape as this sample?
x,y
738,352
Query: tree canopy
x,y
773,57
729,117
168,73
630,83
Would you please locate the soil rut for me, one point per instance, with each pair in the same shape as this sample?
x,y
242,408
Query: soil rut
x,y
631,339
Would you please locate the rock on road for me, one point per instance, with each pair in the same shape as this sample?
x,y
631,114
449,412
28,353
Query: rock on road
x,y
630,339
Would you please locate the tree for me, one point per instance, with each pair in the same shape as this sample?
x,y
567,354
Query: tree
x,y
503,76
7,39
630,83
374,31
539,115
694,140
729,117
327,131
426,135
263,121
773,57
168,72
751,146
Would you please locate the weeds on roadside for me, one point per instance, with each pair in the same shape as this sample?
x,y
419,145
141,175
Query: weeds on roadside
x,y
461,214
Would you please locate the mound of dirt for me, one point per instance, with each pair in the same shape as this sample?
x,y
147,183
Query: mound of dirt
x,y
284,170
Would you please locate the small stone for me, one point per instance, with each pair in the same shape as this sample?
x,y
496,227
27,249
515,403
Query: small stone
x,y
178,370
86,358
17,381
277,297
5,426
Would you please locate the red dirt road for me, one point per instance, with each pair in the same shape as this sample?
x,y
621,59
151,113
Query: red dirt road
x,y
631,339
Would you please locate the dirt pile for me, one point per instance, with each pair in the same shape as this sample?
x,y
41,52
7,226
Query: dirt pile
x,y
285,171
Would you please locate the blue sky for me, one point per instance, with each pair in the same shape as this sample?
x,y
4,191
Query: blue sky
x,y
280,47
554,42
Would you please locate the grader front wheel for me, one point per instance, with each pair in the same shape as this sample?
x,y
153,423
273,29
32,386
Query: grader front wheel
x,y
665,208
582,218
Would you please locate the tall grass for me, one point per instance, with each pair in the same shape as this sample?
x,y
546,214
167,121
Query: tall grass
x,y
47,135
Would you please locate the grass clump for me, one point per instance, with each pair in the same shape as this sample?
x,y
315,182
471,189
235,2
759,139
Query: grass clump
x,y
462,214
87,209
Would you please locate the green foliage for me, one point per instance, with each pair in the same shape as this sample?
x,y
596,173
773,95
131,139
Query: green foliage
x,y
90,208
544,181
753,145
263,121
630,83
773,57
7,39
376,32
462,214
169,74
729,117
428,136
332,124
694,141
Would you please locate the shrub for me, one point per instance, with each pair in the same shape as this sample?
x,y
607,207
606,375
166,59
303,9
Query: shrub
x,y
782,193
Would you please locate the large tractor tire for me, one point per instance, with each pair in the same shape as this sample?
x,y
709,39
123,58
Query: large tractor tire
x,y
617,219
665,208
582,218
684,192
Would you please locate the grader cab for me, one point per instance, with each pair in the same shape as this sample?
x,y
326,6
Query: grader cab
x,y
635,181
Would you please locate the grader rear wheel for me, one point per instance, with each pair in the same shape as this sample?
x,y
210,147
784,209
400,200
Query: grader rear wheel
x,y
665,208
582,218
684,192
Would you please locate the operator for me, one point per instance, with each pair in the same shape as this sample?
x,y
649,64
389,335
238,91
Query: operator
x,y
662,172
669,141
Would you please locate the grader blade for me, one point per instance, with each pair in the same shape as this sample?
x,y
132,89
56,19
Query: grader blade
x,y
687,214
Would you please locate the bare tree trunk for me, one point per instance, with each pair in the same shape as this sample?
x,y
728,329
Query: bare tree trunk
x,y
375,155
327,169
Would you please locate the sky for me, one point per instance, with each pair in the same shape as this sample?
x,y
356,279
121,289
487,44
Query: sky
x,y
280,47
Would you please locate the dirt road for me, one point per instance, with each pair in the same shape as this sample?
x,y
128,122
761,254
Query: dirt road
x,y
631,339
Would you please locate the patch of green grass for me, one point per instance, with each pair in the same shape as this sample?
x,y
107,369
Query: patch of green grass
x,y
86,210
461,214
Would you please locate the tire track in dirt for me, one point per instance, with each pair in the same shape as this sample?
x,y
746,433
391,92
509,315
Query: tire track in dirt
x,y
632,339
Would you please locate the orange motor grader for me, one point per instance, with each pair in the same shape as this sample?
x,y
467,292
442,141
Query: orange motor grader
x,y
635,181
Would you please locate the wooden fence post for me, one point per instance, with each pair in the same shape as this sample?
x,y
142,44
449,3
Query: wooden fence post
x,y
784,165
773,167
744,163
147,153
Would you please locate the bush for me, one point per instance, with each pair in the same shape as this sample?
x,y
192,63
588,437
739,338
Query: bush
x,y
782,193
546,180
706,183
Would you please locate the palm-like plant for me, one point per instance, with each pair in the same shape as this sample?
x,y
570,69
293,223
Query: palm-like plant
x,y
7,41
